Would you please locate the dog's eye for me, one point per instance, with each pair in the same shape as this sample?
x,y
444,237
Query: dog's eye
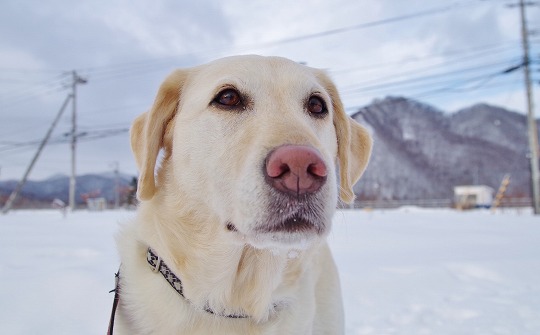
x,y
228,97
316,106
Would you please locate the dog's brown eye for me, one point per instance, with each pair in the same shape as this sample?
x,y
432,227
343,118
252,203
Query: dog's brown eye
x,y
316,106
228,97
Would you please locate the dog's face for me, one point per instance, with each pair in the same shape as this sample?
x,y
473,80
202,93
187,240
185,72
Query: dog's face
x,y
255,141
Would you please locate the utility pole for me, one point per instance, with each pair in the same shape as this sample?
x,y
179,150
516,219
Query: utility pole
x,y
13,196
532,129
116,185
72,181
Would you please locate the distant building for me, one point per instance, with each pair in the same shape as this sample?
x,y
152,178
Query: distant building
x,y
473,196
96,204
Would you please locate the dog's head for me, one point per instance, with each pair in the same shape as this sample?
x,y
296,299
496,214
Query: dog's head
x,y
255,141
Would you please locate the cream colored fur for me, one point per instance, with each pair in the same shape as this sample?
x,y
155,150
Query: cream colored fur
x,y
211,174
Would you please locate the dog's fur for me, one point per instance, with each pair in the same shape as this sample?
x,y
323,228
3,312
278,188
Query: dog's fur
x,y
206,208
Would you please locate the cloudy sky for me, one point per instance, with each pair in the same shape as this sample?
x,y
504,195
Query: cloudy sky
x,y
449,54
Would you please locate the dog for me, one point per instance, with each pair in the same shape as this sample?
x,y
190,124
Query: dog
x,y
241,161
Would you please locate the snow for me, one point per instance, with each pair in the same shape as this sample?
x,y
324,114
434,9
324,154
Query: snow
x,y
404,271
439,271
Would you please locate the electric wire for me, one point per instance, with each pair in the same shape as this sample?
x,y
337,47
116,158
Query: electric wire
x,y
431,79
62,139
157,64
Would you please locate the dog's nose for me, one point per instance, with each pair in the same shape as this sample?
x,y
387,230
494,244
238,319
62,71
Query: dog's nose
x,y
295,170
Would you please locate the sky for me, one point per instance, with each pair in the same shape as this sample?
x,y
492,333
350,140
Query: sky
x,y
449,54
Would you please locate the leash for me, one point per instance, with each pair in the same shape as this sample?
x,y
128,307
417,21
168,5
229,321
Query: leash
x,y
115,302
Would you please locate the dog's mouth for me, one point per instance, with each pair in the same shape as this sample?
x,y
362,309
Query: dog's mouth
x,y
285,224
294,224
300,215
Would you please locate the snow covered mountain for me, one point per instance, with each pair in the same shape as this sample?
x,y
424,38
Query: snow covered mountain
x,y
421,152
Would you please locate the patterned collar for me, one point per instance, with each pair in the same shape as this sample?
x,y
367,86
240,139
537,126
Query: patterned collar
x,y
158,265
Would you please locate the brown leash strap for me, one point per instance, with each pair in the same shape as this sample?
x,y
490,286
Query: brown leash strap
x,y
115,302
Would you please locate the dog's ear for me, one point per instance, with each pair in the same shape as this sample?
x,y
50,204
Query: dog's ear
x,y
148,131
353,156
354,143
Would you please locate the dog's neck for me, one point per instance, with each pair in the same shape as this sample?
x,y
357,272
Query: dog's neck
x,y
229,278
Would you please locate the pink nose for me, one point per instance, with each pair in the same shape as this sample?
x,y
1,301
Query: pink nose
x,y
295,170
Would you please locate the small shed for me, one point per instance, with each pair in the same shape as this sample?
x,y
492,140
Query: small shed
x,y
473,196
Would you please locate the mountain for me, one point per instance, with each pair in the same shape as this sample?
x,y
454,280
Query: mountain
x,y
421,152
42,193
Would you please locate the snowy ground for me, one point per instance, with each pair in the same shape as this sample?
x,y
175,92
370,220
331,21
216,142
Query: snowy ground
x,y
407,271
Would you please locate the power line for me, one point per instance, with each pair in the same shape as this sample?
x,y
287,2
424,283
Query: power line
x,y
371,24
479,83
44,87
85,136
453,85
464,55
151,65
29,70
374,85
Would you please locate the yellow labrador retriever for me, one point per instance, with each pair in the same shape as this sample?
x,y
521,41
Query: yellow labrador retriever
x,y
230,234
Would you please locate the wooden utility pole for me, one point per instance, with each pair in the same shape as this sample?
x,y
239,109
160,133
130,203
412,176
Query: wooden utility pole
x,y
116,166
13,196
72,179
531,120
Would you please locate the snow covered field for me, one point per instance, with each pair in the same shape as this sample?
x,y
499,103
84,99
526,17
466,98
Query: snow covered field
x,y
407,271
